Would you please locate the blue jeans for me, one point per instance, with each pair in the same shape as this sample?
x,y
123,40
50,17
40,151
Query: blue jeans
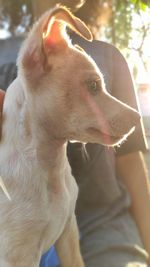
x,y
50,258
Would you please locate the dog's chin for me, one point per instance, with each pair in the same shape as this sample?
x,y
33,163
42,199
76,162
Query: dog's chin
x,y
98,136
94,135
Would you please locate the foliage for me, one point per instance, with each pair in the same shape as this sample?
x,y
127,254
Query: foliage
x,y
16,14
119,30
119,27
19,12
115,17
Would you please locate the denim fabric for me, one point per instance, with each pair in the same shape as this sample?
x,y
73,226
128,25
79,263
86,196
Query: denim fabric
x,y
50,258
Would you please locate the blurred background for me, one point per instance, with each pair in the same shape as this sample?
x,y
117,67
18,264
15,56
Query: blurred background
x,y
125,24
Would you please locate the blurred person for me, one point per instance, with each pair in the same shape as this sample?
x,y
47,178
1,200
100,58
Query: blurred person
x,y
113,207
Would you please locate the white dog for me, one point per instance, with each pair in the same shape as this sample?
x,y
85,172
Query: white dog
x,y
58,95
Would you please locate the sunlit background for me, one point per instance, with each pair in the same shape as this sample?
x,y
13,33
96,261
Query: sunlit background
x,y
125,24
143,62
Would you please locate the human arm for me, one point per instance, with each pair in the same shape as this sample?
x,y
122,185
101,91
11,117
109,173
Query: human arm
x,y
131,168
2,94
129,161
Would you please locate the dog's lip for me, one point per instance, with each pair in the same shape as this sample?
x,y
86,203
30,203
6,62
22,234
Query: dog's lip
x,y
108,138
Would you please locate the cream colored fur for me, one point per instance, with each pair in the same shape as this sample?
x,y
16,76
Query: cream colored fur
x,y
50,102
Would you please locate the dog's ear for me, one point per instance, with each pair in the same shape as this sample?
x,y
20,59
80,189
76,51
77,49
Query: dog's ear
x,y
53,30
49,36
63,15
66,17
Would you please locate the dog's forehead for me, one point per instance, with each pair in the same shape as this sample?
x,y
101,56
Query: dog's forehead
x,y
73,59
85,62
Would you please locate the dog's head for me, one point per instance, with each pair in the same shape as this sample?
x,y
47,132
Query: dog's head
x,y
64,87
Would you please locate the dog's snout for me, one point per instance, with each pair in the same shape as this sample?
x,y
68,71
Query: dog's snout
x,y
133,117
123,122
136,117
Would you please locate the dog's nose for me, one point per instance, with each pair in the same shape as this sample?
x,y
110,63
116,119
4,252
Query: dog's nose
x,y
135,117
131,118
122,123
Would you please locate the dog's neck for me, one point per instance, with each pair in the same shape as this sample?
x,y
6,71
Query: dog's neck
x,y
49,152
51,156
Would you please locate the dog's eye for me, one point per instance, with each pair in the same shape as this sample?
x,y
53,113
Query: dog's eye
x,y
93,87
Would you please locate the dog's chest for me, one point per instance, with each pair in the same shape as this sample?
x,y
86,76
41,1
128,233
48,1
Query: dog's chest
x,y
38,211
60,199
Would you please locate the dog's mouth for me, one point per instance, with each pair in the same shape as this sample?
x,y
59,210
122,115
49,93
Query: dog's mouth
x,y
106,139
